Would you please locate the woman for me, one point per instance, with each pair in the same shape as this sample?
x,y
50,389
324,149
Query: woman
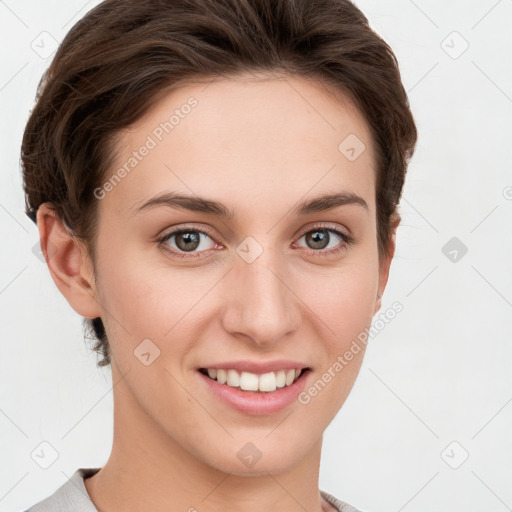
x,y
215,186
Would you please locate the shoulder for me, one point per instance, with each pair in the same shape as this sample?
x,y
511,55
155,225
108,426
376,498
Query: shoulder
x,y
72,495
341,506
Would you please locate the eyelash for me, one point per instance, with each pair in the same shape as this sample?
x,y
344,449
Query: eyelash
x,y
347,240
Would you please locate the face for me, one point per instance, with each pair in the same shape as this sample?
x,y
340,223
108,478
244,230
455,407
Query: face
x,y
182,287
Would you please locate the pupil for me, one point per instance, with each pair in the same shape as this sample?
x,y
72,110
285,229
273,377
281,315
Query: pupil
x,y
319,238
183,240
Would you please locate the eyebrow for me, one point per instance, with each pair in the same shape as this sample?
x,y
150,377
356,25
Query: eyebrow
x,y
193,203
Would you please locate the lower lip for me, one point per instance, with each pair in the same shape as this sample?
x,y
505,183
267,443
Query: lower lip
x,y
257,403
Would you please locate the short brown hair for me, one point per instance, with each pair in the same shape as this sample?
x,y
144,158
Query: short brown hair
x,y
118,58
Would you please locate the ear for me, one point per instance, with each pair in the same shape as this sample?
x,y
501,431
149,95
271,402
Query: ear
x,y
68,262
385,263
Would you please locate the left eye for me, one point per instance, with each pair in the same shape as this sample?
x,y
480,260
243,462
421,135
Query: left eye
x,y
320,238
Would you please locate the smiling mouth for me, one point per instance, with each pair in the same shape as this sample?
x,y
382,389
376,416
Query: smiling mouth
x,y
259,383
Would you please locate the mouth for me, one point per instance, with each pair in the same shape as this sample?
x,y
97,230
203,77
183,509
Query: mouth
x,y
254,383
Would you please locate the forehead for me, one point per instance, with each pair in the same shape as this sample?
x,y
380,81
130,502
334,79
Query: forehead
x,y
249,137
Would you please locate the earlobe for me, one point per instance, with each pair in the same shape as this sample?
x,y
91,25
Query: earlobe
x,y
68,263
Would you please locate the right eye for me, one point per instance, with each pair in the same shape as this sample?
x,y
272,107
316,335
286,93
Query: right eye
x,y
186,240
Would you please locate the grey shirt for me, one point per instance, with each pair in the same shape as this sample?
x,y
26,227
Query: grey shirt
x,y
72,496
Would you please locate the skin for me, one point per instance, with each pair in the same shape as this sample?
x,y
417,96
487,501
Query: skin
x,y
258,145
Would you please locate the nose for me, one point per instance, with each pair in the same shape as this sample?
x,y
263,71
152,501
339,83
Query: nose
x,y
260,302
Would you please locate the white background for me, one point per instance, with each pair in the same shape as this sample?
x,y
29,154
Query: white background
x,y
438,373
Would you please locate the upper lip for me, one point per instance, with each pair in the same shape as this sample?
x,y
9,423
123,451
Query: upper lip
x,y
258,367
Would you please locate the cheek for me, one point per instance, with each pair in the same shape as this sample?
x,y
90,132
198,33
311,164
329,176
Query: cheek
x,y
345,306
143,300
346,299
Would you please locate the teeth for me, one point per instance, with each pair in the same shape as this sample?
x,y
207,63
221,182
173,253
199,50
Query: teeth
x,y
221,376
233,379
267,382
248,381
280,379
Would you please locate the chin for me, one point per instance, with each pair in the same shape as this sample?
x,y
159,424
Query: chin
x,y
257,458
